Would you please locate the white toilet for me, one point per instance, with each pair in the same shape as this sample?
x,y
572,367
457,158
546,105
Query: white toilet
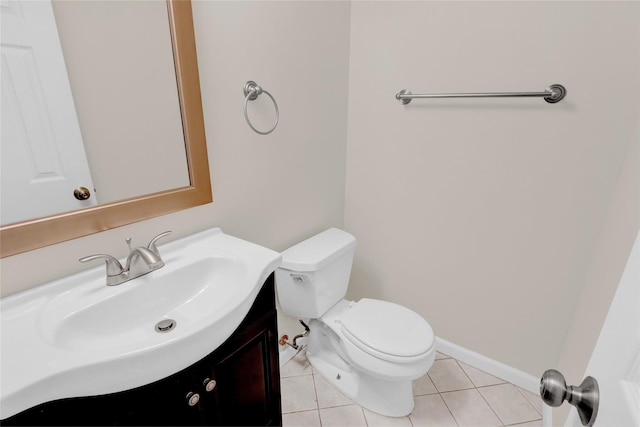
x,y
371,350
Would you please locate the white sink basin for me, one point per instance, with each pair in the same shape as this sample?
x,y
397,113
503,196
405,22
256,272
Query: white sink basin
x,y
190,293
79,337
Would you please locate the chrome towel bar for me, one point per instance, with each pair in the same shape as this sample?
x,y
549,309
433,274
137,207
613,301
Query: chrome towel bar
x,y
553,94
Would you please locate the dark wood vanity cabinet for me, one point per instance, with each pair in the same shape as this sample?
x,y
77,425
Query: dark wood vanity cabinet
x,y
237,384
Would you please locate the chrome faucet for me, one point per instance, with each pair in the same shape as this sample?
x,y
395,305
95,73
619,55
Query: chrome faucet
x,y
140,261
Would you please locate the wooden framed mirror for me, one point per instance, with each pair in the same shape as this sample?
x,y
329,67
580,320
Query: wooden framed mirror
x,y
36,233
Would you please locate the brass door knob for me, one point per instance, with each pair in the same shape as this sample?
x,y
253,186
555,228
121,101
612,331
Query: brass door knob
x,y
81,193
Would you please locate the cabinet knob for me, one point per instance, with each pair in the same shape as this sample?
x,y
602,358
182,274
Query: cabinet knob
x,y
193,398
209,384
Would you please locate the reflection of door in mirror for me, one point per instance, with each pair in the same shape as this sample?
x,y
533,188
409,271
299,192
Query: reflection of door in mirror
x,y
121,69
121,72
43,158
27,235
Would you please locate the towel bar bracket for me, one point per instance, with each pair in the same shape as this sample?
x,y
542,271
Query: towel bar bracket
x,y
557,93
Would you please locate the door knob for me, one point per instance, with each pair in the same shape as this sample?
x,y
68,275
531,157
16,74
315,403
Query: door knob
x,y
585,397
81,193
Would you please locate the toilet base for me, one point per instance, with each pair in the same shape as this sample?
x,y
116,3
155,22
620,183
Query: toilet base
x,y
385,397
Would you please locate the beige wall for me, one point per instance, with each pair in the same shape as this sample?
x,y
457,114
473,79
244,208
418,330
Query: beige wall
x,y
273,190
485,215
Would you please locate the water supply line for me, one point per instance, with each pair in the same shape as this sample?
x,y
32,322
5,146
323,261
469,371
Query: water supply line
x,y
285,338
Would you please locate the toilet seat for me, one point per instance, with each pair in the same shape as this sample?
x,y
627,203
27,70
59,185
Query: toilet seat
x,y
387,331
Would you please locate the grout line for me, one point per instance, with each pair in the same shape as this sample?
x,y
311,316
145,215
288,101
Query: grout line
x,y
448,409
491,407
315,391
364,416
460,363
465,373
300,411
519,424
521,391
495,385
475,387
449,391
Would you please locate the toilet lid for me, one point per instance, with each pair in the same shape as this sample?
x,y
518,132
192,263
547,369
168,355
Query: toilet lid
x,y
387,328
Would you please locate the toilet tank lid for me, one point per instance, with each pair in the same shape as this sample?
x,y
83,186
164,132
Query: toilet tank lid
x,y
317,251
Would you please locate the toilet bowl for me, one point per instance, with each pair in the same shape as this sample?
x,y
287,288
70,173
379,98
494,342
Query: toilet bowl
x,y
382,362
370,350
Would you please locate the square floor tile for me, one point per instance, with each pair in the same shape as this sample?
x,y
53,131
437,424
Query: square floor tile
x,y
328,395
376,420
447,375
533,398
423,385
509,404
451,394
431,411
537,423
342,416
480,378
301,419
298,394
470,409
298,365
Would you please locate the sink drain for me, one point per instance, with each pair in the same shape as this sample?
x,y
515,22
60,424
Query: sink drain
x,y
165,325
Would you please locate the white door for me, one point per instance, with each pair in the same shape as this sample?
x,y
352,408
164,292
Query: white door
x,y
42,155
615,362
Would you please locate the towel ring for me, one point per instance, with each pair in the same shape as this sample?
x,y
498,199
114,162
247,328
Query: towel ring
x,y
251,92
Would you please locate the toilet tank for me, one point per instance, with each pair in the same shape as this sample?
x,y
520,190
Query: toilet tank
x,y
314,274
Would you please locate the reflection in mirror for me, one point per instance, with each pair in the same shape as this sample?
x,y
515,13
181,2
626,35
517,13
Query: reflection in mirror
x,y
27,235
112,63
121,71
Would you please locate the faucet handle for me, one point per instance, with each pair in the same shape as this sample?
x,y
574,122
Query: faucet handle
x,y
152,244
113,265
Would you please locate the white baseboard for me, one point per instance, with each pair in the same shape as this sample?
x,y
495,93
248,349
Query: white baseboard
x,y
497,369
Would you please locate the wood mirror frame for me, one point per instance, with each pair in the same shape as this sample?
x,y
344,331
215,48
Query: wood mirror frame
x,y
36,233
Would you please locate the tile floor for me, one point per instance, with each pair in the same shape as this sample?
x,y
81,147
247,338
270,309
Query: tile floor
x,y
451,394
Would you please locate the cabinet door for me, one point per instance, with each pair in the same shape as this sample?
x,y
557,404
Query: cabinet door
x,y
161,403
167,403
247,381
246,392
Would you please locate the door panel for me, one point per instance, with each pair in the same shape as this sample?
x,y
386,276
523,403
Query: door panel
x,y
42,153
615,361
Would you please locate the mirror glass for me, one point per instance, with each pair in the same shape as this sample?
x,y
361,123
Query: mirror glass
x,y
136,92
121,71
94,104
